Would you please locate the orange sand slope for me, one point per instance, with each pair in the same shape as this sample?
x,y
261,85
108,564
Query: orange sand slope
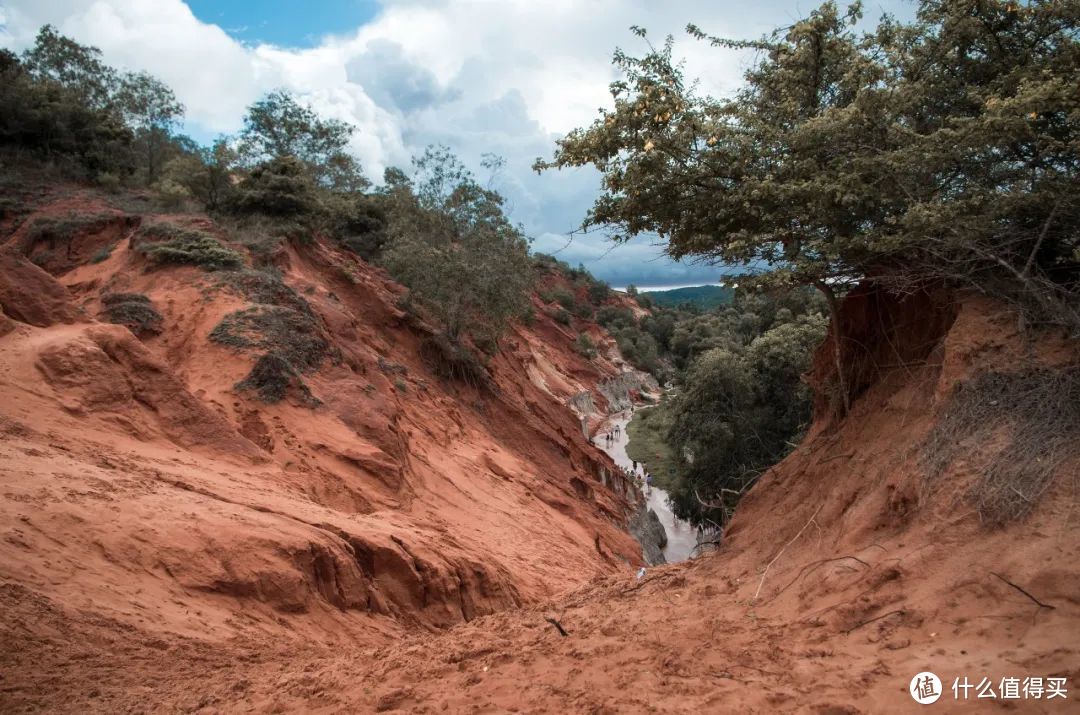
x,y
172,544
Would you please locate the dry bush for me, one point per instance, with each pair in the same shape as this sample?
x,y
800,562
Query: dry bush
x,y
287,333
165,243
271,377
263,286
133,310
453,361
1037,410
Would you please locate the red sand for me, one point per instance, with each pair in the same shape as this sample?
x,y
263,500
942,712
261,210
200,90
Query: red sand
x,y
170,544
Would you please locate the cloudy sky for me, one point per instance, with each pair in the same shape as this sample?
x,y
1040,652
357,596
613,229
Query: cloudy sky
x,y
501,76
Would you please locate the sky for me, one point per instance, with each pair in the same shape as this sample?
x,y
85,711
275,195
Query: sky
x,y
501,76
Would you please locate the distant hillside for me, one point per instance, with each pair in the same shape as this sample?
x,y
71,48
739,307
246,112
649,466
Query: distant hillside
x,y
705,297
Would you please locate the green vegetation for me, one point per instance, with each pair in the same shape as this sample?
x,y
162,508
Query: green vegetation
x,y
289,334
287,176
739,403
133,310
169,243
943,152
647,443
271,377
938,152
61,103
704,297
60,230
451,244
585,346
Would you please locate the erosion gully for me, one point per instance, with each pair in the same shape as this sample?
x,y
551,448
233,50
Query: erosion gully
x,y
681,536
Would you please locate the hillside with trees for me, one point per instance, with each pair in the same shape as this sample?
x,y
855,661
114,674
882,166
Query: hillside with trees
x,y
278,436
703,297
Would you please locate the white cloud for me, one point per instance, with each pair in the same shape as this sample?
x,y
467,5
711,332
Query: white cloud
x,y
505,76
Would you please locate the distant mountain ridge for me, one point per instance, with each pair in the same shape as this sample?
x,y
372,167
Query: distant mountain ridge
x,y
705,297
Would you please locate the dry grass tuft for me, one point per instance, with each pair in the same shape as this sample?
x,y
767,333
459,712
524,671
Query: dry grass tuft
x,y
1037,410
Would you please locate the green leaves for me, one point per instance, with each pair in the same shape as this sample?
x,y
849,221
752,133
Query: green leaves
x,y
943,150
277,127
451,244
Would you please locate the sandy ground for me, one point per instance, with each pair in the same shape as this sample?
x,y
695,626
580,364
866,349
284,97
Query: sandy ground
x,y
168,544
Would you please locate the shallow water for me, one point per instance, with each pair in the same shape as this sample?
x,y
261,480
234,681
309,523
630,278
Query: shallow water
x,y
682,538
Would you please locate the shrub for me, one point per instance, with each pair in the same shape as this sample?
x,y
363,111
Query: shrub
x,y
359,223
611,317
271,377
280,187
1039,409
289,334
451,244
562,315
264,287
132,310
565,298
263,236
585,346
450,360
598,291
102,254
172,194
584,311
168,243
62,229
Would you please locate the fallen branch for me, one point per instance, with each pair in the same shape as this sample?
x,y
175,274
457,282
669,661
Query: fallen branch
x,y
1039,603
811,566
899,611
769,565
558,626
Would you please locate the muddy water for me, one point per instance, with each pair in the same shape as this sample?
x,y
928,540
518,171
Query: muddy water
x,y
682,538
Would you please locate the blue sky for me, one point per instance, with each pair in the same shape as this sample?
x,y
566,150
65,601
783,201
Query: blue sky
x,y
502,76
287,23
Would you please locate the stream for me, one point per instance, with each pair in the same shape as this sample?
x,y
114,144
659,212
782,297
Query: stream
x,y
681,536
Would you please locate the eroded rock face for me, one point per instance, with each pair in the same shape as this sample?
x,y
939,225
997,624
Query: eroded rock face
x,y
647,529
161,498
105,370
30,295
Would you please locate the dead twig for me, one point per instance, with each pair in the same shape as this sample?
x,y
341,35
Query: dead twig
x,y
811,566
558,626
899,611
1037,602
795,538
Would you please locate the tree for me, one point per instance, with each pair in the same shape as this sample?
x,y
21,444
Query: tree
x,y
205,173
451,244
53,120
76,67
152,109
945,150
277,126
740,409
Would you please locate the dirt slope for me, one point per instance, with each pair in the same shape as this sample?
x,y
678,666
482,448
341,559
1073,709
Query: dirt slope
x,y
293,559
145,499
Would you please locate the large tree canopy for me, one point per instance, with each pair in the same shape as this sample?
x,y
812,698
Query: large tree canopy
x,y
278,126
943,149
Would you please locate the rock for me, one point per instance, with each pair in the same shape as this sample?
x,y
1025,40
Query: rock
x,y
646,527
